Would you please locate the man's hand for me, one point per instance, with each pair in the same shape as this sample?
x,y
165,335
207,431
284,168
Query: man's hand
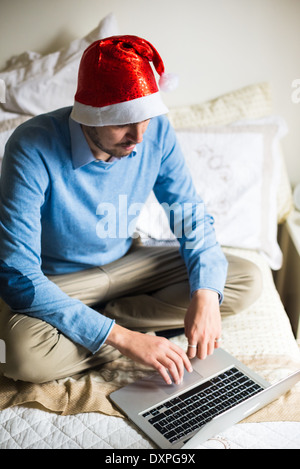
x,y
158,352
203,323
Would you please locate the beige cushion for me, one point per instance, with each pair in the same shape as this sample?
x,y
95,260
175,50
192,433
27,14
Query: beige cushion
x,y
250,102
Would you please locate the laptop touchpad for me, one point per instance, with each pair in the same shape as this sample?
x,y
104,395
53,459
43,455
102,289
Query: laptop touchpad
x,y
188,380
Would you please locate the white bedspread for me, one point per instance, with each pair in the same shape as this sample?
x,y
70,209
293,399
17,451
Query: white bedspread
x,y
23,428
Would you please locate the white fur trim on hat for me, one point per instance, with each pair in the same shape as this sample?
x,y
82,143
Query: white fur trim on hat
x,y
128,112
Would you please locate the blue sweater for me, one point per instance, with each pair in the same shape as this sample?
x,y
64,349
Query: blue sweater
x,y
62,211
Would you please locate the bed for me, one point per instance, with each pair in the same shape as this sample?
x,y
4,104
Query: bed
x,y
233,139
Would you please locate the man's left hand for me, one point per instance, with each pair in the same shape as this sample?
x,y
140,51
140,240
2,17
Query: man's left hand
x,y
203,323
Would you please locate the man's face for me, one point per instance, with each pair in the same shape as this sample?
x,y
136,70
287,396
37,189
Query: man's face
x,y
114,140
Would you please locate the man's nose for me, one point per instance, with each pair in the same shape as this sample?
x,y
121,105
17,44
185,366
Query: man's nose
x,y
136,132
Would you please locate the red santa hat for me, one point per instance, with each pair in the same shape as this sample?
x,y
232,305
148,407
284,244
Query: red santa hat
x,y
116,83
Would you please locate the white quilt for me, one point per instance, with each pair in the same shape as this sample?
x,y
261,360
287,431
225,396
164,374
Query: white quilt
x,y
23,428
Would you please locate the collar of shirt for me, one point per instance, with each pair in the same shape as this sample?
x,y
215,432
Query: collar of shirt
x,y
81,152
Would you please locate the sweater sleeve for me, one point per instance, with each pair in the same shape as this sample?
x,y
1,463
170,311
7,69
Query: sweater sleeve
x,y
189,220
24,186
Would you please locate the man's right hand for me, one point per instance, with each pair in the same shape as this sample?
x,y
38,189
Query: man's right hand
x,y
158,352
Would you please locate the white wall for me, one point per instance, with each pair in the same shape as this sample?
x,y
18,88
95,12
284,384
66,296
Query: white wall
x,y
214,45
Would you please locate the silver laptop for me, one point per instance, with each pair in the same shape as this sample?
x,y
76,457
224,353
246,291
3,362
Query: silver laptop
x,y
220,392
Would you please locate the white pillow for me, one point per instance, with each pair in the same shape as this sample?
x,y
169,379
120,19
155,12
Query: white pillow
x,y
250,102
37,84
236,171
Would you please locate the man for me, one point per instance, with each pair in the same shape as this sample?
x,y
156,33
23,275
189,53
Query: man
x,y
76,290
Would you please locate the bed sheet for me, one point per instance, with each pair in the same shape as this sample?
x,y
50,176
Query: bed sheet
x,y
24,428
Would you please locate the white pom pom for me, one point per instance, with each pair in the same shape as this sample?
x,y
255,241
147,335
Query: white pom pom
x,y
168,81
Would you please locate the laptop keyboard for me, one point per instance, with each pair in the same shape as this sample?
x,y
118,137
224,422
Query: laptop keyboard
x,y
192,409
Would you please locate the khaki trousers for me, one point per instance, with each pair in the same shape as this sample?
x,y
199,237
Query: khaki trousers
x,y
146,290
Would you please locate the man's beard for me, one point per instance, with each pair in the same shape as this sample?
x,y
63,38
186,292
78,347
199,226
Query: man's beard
x,y
119,149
